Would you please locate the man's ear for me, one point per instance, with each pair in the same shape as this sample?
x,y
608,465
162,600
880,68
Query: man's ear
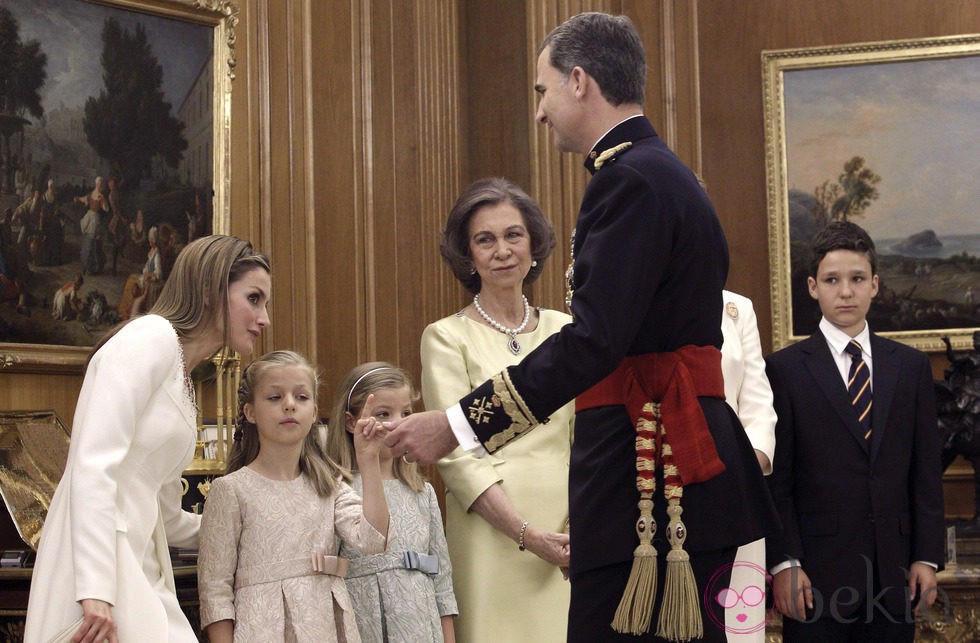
x,y
579,81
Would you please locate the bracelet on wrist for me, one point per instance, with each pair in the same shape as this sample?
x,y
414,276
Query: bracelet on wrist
x,y
520,541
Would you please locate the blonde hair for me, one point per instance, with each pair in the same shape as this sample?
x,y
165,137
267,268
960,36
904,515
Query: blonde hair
x,y
353,392
313,462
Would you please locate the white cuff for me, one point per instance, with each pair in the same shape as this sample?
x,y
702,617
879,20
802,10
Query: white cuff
x,y
463,431
786,564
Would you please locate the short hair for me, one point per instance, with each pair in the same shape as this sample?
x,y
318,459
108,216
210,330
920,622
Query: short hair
x,y
841,235
607,47
313,461
455,243
354,389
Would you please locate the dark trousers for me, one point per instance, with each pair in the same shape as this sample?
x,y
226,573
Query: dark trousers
x,y
596,594
828,630
864,625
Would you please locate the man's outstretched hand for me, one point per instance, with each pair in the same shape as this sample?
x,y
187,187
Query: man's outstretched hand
x,y
421,437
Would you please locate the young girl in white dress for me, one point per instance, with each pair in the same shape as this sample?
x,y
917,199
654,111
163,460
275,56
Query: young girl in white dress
x,y
405,593
271,526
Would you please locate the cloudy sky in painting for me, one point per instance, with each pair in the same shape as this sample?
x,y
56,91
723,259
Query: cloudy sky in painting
x,y
70,32
917,125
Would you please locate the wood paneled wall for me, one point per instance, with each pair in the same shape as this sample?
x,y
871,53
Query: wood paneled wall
x,y
732,36
348,150
355,124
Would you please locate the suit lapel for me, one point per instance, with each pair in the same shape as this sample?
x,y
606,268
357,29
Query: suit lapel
x,y
884,377
822,367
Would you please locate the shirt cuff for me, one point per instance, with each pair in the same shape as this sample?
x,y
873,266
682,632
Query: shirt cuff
x,y
786,564
463,431
934,566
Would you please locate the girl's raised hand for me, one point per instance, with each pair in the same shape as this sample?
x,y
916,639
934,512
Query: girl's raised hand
x,y
368,431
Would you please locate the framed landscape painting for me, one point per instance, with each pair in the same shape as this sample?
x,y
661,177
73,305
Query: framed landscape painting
x,y
885,135
114,154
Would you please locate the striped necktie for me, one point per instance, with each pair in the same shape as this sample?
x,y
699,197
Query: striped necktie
x,y
859,387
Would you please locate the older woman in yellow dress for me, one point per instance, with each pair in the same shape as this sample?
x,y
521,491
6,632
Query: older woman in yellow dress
x,y
506,512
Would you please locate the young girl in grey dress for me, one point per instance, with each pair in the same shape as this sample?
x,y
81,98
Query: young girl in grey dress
x,y
272,525
405,593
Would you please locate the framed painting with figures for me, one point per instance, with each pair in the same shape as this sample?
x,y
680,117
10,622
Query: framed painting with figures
x,y
115,153
883,134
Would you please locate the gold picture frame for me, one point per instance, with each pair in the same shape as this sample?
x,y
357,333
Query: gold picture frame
x,y
884,134
33,453
205,105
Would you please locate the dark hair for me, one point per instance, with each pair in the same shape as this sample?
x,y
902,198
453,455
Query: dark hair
x,y
313,461
607,47
841,235
455,243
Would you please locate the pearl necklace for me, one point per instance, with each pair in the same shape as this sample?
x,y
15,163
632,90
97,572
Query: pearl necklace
x,y
513,344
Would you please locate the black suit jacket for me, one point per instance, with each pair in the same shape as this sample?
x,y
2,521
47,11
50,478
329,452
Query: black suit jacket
x,y
849,507
650,263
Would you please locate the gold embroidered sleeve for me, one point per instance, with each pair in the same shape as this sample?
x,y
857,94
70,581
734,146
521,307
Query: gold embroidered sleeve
x,y
497,412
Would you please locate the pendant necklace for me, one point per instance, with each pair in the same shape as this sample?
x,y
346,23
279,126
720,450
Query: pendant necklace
x,y
513,344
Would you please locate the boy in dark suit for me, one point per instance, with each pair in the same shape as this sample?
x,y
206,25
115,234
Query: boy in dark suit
x,y
856,474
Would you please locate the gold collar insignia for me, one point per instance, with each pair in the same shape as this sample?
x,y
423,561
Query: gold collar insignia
x,y
611,154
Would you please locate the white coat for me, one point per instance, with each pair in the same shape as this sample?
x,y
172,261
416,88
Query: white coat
x,y
747,388
117,506
748,392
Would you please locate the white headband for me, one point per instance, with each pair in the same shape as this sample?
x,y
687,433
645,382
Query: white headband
x,y
358,381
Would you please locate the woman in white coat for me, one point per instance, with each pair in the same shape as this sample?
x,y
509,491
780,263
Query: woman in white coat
x,y
748,392
103,568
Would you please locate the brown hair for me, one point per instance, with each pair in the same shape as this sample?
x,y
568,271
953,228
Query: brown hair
x,y
841,235
455,243
201,274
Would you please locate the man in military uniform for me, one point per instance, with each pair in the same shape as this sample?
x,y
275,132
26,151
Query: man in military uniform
x,y
641,358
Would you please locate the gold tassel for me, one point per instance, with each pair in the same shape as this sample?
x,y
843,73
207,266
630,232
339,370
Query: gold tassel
x,y
680,611
635,609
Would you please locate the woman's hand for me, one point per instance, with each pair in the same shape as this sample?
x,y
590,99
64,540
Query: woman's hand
x,y
549,546
497,509
98,625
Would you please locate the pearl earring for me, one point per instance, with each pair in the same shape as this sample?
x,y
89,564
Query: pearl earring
x,y
534,263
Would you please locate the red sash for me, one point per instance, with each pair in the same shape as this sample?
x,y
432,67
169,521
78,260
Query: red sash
x,y
675,380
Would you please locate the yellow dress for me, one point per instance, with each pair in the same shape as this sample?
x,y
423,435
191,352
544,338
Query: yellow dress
x,y
503,594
